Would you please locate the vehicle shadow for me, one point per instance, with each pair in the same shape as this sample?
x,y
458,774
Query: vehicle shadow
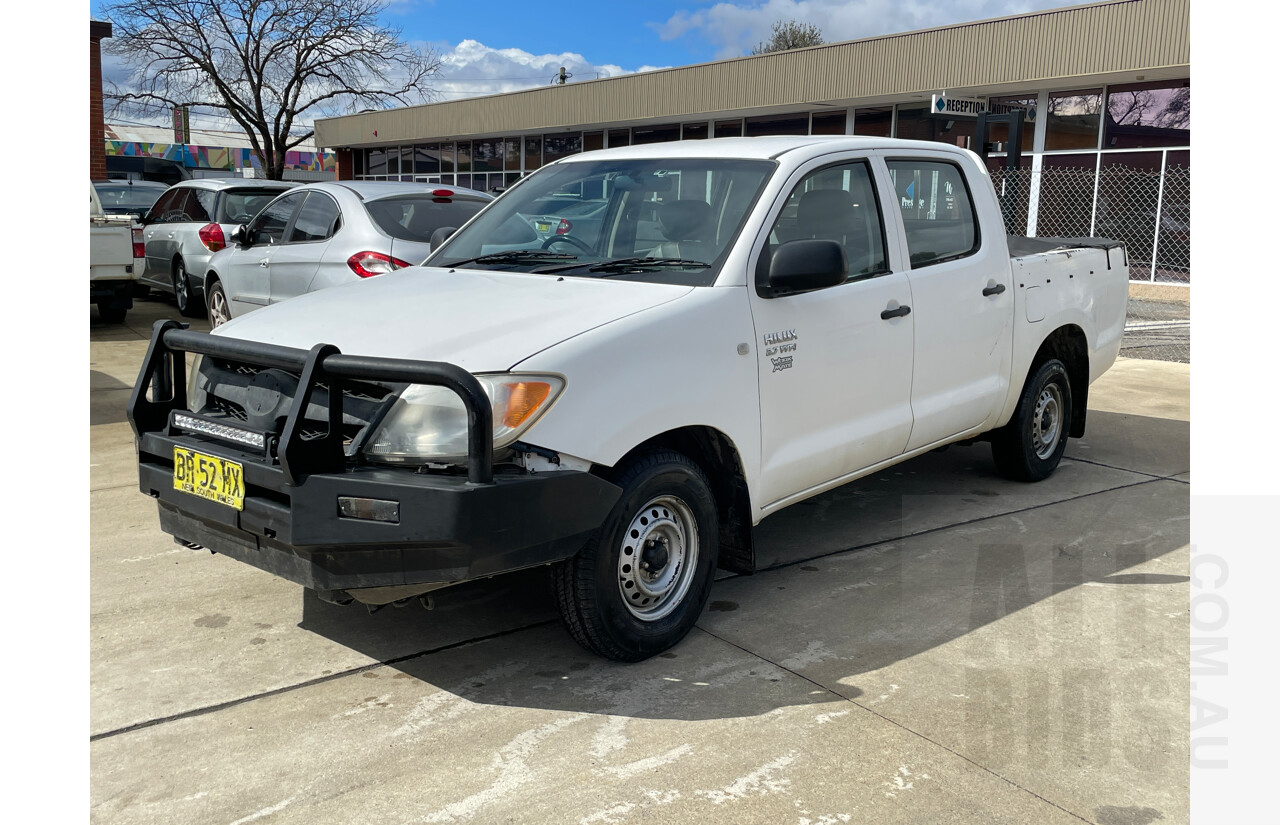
x,y
826,615
107,399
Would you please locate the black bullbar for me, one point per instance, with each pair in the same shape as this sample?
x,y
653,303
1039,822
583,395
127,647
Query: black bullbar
x,y
447,528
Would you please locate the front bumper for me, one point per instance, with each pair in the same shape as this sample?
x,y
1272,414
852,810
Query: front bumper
x,y
450,528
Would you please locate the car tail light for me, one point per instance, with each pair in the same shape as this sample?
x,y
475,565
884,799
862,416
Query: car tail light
x,y
139,245
564,227
368,264
211,236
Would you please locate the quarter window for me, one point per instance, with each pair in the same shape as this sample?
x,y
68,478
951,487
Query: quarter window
x,y
937,212
835,203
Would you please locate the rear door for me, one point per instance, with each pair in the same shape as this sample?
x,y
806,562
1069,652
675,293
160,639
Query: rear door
x,y
293,264
962,300
158,234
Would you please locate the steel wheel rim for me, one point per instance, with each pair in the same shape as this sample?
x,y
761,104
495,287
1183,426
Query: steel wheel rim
x,y
180,286
218,312
1046,422
657,559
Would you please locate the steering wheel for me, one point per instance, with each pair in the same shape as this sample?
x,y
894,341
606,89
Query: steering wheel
x,y
569,239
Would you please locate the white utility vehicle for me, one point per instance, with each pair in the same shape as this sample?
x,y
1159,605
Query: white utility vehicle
x,y
113,245
751,321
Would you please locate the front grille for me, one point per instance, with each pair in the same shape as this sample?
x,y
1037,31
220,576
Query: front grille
x,y
226,386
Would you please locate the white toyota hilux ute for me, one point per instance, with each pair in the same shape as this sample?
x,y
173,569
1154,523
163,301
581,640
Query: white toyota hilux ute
x,y
750,322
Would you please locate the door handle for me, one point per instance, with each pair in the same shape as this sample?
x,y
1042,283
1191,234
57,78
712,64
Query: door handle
x,y
897,312
993,290
263,263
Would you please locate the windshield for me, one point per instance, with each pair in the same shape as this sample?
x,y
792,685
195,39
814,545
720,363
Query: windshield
x,y
665,219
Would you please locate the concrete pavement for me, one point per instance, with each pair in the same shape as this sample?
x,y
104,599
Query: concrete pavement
x,y
931,644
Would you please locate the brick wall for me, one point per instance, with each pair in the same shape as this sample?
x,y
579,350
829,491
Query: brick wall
x,y
97,129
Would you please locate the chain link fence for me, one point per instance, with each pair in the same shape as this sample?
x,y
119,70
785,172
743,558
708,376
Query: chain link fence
x,y
1148,210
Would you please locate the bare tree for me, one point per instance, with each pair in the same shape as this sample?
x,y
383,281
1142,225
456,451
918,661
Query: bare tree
x,y
790,34
271,65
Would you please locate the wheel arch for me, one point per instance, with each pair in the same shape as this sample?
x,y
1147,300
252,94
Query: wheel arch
x,y
717,457
1069,345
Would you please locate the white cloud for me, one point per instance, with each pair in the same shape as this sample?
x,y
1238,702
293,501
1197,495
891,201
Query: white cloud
x,y
471,69
735,28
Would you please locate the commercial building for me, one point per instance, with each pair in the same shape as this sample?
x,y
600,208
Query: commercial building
x,y
1105,88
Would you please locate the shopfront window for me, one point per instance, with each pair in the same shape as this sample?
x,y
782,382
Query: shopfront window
x,y
446,158
655,134
1141,115
486,156
555,147
999,132
873,122
694,131
1073,120
919,123
532,153
777,125
464,156
828,123
511,154
619,137
728,128
377,162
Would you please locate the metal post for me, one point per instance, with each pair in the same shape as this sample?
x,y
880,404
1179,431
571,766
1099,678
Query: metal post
x,y
1097,175
1155,241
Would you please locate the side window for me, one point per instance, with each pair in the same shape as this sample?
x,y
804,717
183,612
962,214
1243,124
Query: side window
x,y
937,211
317,219
199,205
170,203
836,203
270,224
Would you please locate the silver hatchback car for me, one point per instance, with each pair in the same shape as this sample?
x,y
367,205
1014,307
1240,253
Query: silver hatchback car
x,y
190,222
324,234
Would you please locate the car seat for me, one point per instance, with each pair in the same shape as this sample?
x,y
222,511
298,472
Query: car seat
x,y
688,228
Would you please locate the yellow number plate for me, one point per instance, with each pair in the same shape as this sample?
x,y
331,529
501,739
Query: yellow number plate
x,y
208,476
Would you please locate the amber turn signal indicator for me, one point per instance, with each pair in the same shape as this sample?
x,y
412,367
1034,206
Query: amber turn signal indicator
x,y
523,399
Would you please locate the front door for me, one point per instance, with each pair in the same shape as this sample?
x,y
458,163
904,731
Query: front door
x,y
294,263
834,364
250,286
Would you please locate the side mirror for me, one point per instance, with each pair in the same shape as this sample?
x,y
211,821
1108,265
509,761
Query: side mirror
x,y
803,266
240,236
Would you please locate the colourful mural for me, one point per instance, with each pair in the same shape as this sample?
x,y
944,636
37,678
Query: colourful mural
x,y
219,157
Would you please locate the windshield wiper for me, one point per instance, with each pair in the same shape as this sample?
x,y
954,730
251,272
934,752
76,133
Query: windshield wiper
x,y
513,256
624,265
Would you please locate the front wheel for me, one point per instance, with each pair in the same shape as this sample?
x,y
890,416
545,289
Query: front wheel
x,y
640,583
1030,446
219,309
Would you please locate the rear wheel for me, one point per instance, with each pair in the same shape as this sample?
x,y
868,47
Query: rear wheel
x,y
219,309
182,292
1030,446
112,311
640,583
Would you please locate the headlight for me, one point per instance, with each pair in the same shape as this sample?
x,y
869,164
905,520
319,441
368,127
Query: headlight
x,y
429,423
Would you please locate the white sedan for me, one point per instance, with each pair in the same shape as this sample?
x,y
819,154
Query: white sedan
x,y
324,234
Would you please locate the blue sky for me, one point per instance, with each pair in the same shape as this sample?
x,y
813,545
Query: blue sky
x,y
501,46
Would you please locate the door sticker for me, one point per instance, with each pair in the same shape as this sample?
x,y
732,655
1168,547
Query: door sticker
x,y
778,348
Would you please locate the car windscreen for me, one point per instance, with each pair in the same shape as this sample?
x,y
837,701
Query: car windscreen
x,y
670,220
415,217
243,205
125,200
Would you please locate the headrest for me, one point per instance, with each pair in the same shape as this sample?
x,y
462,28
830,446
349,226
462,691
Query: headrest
x,y
822,207
685,220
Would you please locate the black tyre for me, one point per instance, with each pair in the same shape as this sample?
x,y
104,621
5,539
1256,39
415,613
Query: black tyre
x,y
219,309
112,312
182,292
640,583
1030,446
